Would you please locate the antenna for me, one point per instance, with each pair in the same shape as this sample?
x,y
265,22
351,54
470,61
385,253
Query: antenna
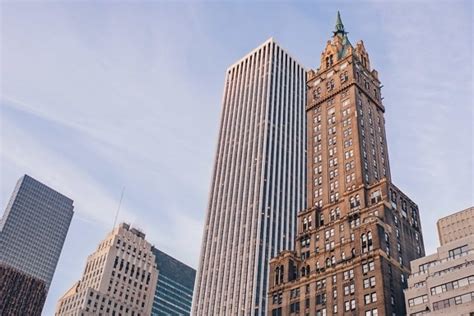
x,y
118,209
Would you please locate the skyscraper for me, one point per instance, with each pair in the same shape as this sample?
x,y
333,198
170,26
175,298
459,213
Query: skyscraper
x,y
119,278
258,182
174,289
33,229
359,233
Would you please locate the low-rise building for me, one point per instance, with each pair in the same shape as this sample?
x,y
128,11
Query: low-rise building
x,y
443,283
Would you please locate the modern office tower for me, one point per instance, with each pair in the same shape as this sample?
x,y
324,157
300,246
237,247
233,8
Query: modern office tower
x,y
443,283
20,293
32,232
33,228
174,289
119,278
359,233
456,226
258,182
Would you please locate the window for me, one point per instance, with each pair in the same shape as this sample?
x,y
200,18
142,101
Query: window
x,y
349,274
329,61
349,289
368,266
458,252
370,298
343,76
279,274
418,300
321,299
366,242
295,308
457,300
372,312
317,93
330,85
375,196
452,285
354,201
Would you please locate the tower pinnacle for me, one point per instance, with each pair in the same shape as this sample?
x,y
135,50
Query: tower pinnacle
x,y
339,26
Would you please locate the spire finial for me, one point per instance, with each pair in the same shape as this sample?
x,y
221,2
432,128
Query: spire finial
x,y
339,26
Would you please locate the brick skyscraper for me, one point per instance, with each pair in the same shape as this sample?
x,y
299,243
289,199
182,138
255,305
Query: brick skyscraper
x,y
356,239
257,184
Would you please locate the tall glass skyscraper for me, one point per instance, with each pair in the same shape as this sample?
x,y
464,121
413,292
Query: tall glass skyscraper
x,y
33,229
174,289
258,182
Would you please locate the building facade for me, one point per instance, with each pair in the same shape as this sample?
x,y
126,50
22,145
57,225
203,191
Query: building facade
x,y
257,184
456,226
174,289
359,233
20,293
119,278
32,233
443,283
33,229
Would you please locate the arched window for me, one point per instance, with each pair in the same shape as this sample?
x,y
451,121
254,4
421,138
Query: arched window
x,y
363,239
282,271
369,241
277,275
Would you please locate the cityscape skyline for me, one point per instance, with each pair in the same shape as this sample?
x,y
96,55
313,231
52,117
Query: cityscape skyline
x,y
23,115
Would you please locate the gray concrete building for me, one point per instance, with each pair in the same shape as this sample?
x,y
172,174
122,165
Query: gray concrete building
x,y
258,182
443,283
33,229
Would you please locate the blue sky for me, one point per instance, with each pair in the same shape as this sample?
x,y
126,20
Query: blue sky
x,y
97,96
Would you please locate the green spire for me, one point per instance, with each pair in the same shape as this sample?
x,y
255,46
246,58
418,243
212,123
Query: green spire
x,y
339,26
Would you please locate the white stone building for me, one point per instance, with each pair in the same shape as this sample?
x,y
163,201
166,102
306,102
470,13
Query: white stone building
x,y
119,278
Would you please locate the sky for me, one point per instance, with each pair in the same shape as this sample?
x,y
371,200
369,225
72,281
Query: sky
x,y
100,96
